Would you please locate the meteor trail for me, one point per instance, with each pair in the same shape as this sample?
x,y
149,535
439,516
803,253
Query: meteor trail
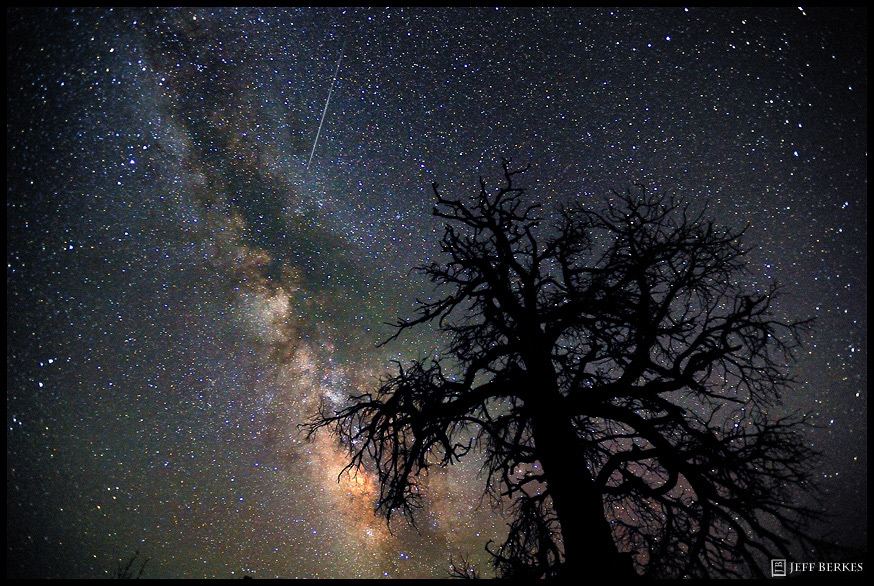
x,y
328,101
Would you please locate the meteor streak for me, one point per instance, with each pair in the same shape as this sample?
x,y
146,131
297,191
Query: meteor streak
x,y
328,101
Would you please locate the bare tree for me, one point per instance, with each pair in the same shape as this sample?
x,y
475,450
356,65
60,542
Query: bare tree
x,y
128,571
617,379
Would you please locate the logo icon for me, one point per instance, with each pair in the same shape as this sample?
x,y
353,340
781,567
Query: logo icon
x,y
778,568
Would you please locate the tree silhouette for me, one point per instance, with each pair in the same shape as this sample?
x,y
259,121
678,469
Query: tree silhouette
x,y
616,377
128,571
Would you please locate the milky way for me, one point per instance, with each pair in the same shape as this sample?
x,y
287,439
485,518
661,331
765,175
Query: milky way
x,y
188,278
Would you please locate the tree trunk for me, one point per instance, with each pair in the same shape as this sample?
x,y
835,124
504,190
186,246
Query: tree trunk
x,y
589,547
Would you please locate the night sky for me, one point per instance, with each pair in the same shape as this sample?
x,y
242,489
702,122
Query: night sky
x,y
184,285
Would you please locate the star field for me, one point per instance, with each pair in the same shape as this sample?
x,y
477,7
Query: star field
x,y
182,291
